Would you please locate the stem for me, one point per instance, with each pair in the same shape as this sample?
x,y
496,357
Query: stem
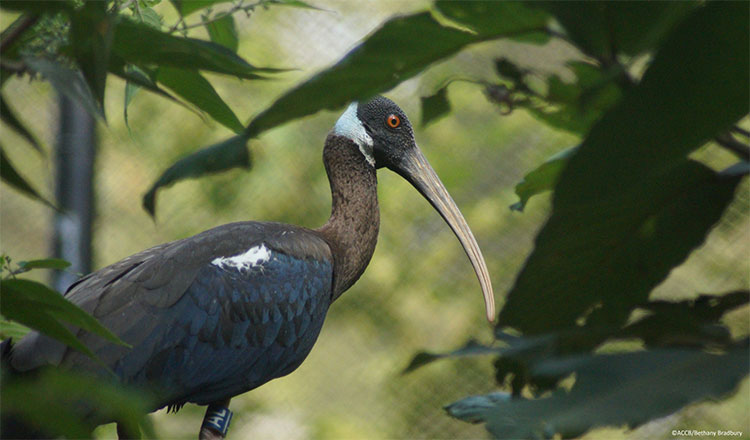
x,y
181,25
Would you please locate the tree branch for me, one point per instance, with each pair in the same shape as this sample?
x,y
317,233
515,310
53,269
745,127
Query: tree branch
x,y
13,34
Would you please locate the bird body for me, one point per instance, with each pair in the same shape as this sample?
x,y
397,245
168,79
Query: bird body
x,y
225,311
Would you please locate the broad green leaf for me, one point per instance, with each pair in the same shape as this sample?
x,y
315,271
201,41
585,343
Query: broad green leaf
x,y
435,106
612,252
140,44
28,299
542,178
10,176
9,117
618,222
91,40
222,31
400,49
12,329
187,7
614,390
225,155
604,29
67,82
59,404
46,263
150,17
192,87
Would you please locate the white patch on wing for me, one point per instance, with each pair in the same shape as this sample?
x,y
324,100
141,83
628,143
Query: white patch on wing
x,y
351,127
255,256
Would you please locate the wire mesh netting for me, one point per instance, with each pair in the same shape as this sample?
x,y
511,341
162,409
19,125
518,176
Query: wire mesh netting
x,y
419,291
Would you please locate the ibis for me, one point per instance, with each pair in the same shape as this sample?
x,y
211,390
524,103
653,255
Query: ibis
x,y
220,313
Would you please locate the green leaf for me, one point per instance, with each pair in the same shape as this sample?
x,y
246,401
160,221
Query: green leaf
x,y
9,117
222,31
59,403
576,106
143,45
613,390
225,155
35,305
604,29
11,329
435,106
191,86
150,17
399,50
10,176
472,409
612,252
91,39
618,222
472,348
46,263
67,82
187,7
542,178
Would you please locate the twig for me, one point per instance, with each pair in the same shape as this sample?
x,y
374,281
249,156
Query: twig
x,y
182,26
16,32
728,142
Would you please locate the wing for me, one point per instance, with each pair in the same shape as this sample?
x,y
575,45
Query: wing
x,y
208,317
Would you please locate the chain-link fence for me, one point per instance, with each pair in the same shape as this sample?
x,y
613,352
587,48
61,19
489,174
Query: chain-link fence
x,y
419,291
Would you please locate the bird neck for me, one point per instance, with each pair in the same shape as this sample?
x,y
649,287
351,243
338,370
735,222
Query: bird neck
x,y
352,229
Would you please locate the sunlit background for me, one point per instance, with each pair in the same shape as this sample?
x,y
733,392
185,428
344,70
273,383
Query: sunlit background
x,y
419,292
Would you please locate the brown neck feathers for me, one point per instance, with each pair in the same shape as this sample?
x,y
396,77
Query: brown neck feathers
x,y
352,229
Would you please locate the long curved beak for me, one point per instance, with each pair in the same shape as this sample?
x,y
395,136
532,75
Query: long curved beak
x,y
416,170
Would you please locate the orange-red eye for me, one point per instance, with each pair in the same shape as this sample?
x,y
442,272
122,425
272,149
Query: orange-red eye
x,y
393,121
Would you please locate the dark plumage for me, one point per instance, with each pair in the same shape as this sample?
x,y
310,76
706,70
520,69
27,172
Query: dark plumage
x,y
220,313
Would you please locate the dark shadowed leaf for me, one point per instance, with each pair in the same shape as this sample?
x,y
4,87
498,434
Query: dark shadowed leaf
x,y
397,51
91,39
618,222
472,348
39,307
435,106
56,402
38,6
603,29
143,45
9,117
576,106
472,409
222,31
624,389
10,176
225,155
67,82
195,89
541,179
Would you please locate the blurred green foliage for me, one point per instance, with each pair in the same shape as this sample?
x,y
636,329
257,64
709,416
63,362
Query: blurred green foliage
x,y
575,82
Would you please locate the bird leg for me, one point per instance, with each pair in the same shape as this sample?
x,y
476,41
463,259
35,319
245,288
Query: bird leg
x,y
216,421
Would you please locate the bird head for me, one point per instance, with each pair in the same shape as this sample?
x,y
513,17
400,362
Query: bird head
x,y
385,137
